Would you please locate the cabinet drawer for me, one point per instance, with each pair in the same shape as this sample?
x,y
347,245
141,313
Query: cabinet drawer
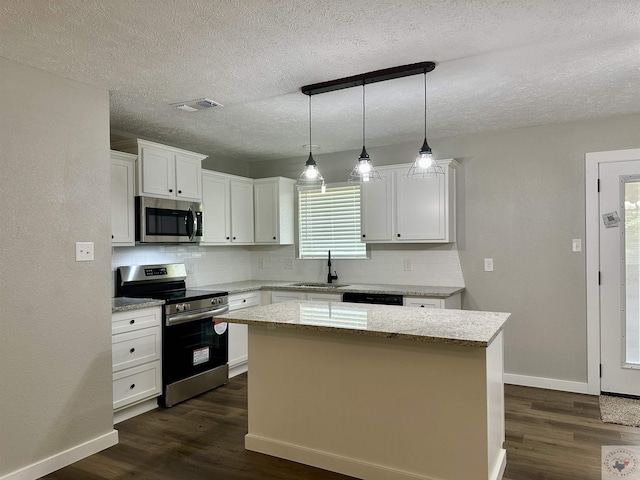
x,y
244,300
135,348
423,302
136,384
135,320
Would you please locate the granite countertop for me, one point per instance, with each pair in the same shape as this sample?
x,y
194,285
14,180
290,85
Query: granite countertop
x,y
121,304
406,290
457,327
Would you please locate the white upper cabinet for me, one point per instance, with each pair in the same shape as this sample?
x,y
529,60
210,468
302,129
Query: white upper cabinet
x,y
227,204
273,210
376,202
165,172
242,211
216,200
122,199
410,210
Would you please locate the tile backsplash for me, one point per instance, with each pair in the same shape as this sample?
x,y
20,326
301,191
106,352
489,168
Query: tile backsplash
x,y
393,264
205,265
436,265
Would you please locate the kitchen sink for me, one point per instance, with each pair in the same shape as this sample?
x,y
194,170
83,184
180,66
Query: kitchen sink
x,y
319,285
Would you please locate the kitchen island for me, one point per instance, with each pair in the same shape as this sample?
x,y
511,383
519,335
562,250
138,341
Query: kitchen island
x,y
377,391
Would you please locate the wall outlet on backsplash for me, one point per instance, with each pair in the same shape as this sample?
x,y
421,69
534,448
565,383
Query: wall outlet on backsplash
x,y
288,263
261,263
407,264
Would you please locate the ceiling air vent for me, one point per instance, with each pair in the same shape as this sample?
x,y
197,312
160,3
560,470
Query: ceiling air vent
x,y
195,105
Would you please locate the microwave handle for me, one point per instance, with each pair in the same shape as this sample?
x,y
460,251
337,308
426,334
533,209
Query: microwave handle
x,y
194,223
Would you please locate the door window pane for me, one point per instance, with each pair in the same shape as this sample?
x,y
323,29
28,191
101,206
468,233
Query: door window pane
x,y
631,240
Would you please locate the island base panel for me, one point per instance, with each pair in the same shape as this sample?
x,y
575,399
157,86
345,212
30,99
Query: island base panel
x,y
376,408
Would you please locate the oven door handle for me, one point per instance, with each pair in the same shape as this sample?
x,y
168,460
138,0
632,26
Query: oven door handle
x,y
177,319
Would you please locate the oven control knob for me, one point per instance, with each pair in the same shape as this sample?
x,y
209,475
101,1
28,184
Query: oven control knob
x,y
187,306
178,308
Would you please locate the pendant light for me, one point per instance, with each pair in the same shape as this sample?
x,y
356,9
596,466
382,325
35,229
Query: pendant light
x,y
424,165
310,176
364,170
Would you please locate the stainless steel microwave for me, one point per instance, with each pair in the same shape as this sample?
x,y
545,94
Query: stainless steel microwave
x,y
160,220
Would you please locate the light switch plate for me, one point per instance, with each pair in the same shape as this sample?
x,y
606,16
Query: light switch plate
x,y
84,251
488,264
576,244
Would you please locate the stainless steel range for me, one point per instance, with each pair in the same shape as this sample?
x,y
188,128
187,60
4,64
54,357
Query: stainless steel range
x,y
195,347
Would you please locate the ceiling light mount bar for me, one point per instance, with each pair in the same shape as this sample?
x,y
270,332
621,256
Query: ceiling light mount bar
x,y
369,77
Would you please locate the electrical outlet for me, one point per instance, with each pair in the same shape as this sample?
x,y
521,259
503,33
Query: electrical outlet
x,y
288,263
407,265
84,251
488,264
261,263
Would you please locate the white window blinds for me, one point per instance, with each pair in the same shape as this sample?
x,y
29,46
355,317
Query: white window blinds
x,y
330,221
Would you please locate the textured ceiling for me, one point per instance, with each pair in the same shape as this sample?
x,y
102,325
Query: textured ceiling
x,y
500,64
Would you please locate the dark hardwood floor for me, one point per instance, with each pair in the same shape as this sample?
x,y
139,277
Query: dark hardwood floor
x,y
549,436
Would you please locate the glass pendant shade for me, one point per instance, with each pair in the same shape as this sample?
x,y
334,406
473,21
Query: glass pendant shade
x,y
310,176
364,170
425,165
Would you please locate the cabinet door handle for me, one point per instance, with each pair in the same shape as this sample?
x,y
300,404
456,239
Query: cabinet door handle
x,y
133,385
244,300
170,190
179,191
131,322
422,306
111,237
398,234
227,238
234,238
132,350
274,238
363,235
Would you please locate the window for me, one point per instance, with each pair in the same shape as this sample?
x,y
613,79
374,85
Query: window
x,y
330,221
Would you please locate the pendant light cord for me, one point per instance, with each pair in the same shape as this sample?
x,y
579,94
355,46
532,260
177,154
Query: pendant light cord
x,y
425,105
363,114
310,144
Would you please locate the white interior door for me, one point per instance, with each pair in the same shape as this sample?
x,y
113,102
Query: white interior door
x,y
619,284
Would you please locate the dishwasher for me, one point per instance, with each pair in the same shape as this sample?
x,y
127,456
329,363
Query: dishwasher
x,y
377,298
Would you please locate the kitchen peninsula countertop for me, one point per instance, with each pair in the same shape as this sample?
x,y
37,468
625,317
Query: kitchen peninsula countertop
x,y
406,290
455,327
121,304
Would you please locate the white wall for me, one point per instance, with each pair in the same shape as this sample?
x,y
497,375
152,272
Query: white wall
x,y
55,330
521,202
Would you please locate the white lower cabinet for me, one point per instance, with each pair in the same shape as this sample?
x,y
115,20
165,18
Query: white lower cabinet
x,y
136,352
287,296
454,301
238,333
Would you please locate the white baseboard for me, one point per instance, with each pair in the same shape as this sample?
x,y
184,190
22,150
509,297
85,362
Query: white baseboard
x,y
328,461
135,410
62,459
548,383
238,368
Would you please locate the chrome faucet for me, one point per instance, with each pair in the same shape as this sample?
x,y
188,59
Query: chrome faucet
x,y
330,277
